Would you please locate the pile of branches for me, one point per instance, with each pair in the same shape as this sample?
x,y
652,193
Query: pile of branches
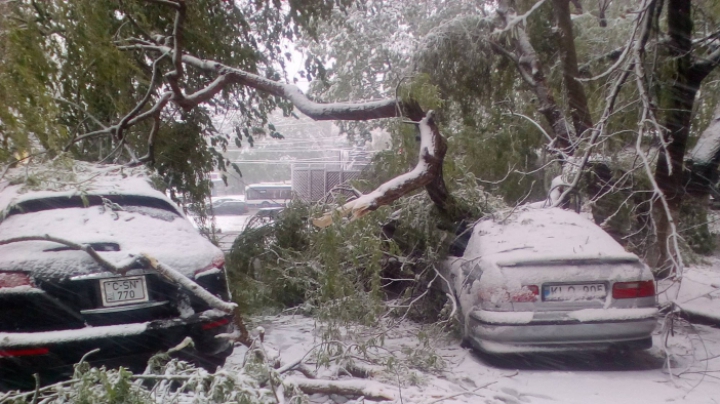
x,y
385,264
261,378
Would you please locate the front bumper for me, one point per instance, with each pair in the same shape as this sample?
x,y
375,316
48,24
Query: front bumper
x,y
118,344
560,335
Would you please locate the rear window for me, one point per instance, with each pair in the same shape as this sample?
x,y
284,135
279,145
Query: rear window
x,y
63,202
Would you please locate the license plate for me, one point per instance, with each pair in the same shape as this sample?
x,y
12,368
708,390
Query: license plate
x,y
117,291
563,293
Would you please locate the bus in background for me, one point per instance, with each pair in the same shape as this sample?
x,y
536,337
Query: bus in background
x,y
267,195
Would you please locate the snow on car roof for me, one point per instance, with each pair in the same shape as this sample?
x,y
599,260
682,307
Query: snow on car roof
x,y
542,235
145,228
64,177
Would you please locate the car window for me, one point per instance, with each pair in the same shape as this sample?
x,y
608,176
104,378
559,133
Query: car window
x,y
123,202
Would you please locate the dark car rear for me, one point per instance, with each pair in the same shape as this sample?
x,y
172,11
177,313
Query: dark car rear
x,y
57,304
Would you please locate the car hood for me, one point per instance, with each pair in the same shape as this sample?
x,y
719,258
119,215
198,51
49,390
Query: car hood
x,y
161,234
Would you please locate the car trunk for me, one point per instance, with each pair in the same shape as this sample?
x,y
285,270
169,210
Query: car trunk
x,y
67,289
564,285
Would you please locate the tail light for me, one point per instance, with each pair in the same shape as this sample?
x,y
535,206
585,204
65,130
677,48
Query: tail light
x,y
215,324
23,352
629,290
15,279
216,264
528,293
498,296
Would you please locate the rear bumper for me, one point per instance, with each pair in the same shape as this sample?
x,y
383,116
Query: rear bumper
x,y
118,344
561,335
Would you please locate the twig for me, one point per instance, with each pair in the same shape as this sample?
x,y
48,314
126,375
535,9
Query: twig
x,y
463,393
36,394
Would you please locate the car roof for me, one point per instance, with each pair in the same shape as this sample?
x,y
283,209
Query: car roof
x,y
528,236
86,179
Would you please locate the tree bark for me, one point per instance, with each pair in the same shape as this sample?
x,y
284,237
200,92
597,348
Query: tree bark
x,y
579,111
670,173
530,69
704,159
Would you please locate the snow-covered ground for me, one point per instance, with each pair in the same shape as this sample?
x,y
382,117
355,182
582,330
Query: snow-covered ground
x,y
640,377
232,223
698,292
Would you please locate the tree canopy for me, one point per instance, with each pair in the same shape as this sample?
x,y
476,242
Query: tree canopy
x,y
522,90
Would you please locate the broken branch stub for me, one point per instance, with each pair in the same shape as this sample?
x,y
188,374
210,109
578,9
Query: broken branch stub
x,y
429,167
188,284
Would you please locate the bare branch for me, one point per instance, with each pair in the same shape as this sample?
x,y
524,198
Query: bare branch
x,y
316,111
530,68
101,132
518,19
151,87
523,73
83,110
159,105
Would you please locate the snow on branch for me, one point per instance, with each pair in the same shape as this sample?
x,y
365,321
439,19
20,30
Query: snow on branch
x,y
515,19
369,389
427,168
317,111
188,284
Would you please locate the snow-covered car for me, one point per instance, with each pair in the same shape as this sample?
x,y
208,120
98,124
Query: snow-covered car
x,y
547,279
57,304
229,208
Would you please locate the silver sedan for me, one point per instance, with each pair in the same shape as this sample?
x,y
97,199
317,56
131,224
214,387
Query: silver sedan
x,y
549,280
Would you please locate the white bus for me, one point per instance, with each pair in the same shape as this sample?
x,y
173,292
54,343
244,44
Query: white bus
x,y
267,195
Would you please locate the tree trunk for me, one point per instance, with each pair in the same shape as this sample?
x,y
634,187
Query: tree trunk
x,y
436,189
579,111
704,160
703,176
531,70
669,173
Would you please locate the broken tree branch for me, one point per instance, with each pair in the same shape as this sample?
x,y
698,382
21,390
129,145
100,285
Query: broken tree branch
x,y
317,111
427,168
368,389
